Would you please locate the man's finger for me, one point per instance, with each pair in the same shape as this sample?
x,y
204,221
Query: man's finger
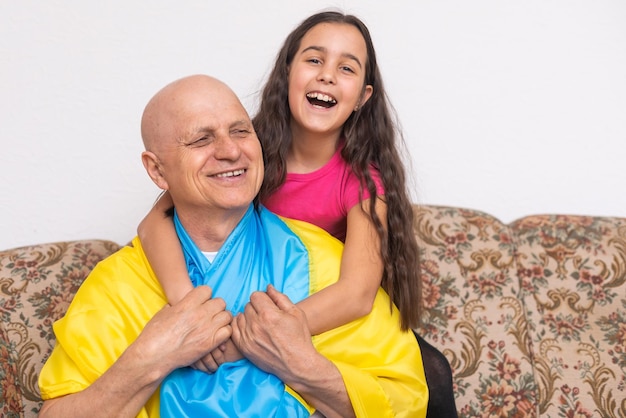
x,y
260,301
218,314
238,325
197,296
280,299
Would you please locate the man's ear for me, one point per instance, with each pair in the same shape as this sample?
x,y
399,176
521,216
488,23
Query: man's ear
x,y
153,167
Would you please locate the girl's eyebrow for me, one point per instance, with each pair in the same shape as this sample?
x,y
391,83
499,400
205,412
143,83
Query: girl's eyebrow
x,y
323,49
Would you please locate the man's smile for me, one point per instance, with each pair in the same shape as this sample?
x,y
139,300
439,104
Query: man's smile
x,y
234,173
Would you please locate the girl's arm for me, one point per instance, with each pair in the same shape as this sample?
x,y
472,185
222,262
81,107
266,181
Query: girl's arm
x,y
160,243
352,296
164,252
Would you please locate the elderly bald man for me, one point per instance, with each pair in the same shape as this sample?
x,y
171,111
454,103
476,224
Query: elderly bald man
x,y
120,341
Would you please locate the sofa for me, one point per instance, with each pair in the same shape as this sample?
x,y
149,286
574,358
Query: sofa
x,y
531,315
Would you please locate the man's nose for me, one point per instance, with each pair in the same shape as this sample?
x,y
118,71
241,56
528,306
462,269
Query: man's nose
x,y
226,148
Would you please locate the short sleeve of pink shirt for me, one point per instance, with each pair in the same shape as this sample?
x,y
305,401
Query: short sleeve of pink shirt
x,y
323,197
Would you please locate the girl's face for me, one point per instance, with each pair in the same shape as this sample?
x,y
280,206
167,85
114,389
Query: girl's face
x,y
326,79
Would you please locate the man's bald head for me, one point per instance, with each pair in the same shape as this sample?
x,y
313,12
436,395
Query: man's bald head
x,y
163,112
202,148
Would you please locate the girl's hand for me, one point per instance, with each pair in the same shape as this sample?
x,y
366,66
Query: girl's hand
x,y
224,353
206,364
228,352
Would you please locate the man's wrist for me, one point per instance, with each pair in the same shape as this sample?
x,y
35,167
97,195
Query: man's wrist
x,y
321,385
145,366
311,373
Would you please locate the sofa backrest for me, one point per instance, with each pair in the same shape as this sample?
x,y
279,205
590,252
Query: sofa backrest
x,y
473,310
531,315
37,283
572,271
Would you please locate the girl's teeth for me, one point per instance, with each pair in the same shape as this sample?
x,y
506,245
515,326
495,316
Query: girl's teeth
x,y
322,97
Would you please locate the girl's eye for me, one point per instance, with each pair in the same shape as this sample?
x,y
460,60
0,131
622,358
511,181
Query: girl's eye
x,y
347,69
313,60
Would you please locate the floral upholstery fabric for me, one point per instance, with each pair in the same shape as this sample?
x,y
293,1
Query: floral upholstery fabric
x,y
573,276
37,283
473,311
531,315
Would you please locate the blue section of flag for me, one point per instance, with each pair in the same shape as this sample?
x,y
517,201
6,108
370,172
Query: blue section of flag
x,y
261,250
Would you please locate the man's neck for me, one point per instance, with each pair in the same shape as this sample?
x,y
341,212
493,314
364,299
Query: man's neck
x,y
209,231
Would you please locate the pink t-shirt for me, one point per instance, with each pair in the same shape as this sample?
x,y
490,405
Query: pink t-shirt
x,y
323,197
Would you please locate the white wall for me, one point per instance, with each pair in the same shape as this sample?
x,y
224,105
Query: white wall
x,y
511,107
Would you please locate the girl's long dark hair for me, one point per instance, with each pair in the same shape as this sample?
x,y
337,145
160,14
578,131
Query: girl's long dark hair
x,y
372,138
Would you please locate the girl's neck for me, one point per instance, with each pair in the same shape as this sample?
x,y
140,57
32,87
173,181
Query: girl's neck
x,y
309,151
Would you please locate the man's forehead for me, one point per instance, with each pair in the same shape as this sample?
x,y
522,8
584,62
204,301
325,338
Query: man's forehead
x,y
188,106
213,125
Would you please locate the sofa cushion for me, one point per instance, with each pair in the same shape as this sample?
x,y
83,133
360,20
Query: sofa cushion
x,y
473,310
573,272
37,283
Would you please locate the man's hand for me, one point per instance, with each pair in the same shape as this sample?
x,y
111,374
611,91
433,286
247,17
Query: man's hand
x,y
273,334
176,336
182,334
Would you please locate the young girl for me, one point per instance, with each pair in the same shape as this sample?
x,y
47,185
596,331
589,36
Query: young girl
x,y
331,158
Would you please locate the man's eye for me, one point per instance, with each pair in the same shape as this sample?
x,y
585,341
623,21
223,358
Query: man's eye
x,y
241,133
199,142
